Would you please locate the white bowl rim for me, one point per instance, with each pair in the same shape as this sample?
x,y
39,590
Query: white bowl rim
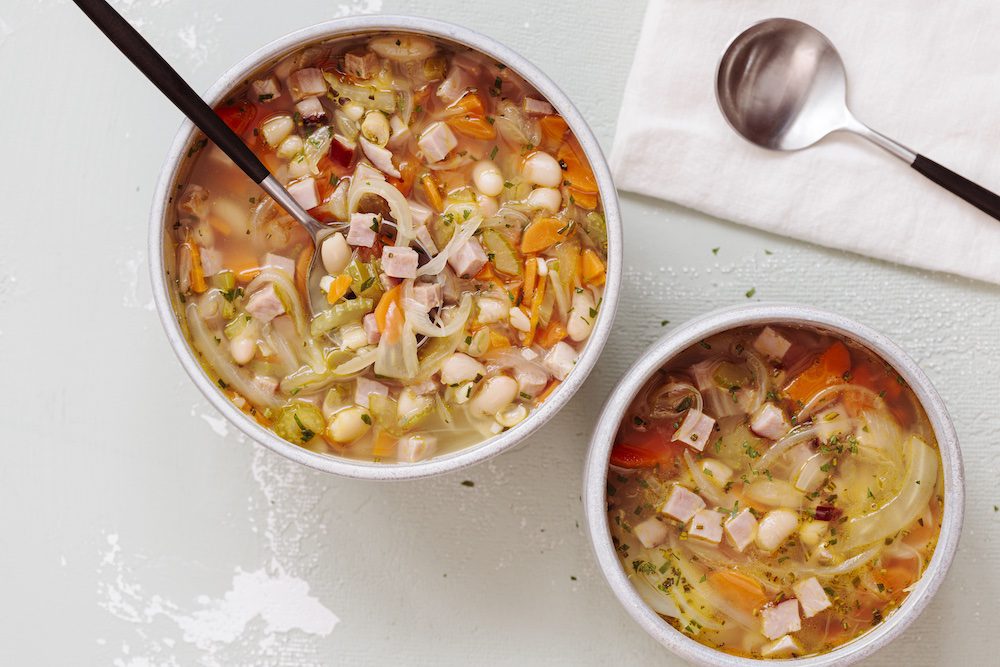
x,y
474,453
697,329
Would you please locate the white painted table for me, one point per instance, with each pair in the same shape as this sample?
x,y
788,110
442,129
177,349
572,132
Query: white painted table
x,y
139,529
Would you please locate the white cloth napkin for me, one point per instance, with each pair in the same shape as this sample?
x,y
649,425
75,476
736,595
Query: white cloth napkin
x,y
926,73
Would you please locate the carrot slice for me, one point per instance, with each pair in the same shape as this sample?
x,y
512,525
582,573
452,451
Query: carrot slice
x,y
740,590
395,295
543,233
553,130
552,334
498,341
828,370
432,191
530,274
644,449
198,284
408,174
593,268
469,117
339,287
576,169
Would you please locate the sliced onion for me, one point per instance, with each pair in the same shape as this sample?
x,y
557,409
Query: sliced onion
x,y
221,363
665,392
916,491
421,322
357,364
398,207
760,374
706,487
380,157
317,145
290,298
823,396
461,235
794,437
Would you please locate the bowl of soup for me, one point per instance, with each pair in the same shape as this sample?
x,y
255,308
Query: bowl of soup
x,y
473,278
774,482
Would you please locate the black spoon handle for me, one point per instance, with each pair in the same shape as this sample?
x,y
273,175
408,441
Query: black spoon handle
x,y
170,83
986,201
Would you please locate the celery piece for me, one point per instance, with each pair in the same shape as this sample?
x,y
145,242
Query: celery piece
x,y
364,279
502,253
351,310
299,422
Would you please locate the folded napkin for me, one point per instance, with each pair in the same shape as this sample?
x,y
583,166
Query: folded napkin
x,y
922,72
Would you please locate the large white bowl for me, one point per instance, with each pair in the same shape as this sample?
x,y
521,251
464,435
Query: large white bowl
x,y
173,173
688,334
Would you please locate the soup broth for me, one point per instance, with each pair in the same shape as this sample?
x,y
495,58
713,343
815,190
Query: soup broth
x,y
464,280
775,492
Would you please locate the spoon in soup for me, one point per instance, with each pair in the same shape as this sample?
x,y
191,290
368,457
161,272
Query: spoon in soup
x,y
170,83
781,85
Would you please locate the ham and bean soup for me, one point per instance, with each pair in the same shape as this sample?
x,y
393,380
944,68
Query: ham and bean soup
x,y
464,280
775,492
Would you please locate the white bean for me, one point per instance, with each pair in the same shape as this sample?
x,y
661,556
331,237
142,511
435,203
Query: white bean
x,y
490,310
496,394
243,349
512,415
519,319
487,177
547,199
459,368
336,254
353,110
375,128
582,314
775,528
402,48
348,425
542,169
415,448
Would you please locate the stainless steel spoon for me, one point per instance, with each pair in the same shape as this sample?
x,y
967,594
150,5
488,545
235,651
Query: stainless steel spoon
x,y
781,85
170,83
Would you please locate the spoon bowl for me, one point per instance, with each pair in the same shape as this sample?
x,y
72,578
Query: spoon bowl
x,y
782,85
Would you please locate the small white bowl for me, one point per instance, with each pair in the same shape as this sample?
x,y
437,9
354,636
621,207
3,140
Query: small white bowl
x,y
596,473
174,171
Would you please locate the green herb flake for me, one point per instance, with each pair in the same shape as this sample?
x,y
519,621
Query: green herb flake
x,y
750,292
468,483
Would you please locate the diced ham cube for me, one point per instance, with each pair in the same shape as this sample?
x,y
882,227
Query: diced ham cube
x,y
211,261
774,528
717,471
286,264
311,110
769,422
399,261
420,214
741,529
265,383
651,533
780,619
425,239
414,448
560,360
782,647
454,85
706,525
703,374
468,259
266,90
366,388
534,107
362,230
370,325
306,82
264,304
193,203
436,142
811,596
305,193
772,344
361,66
682,504
428,295
695,430
531,381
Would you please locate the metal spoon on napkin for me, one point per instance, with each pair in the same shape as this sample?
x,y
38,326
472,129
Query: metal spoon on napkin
x,y
781,85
